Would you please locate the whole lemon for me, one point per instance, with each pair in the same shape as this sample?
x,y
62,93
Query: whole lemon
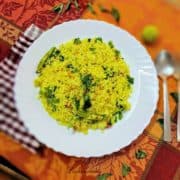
x,y
150,34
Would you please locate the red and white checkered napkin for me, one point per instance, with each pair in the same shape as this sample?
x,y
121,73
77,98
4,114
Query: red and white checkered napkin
x,y
10,123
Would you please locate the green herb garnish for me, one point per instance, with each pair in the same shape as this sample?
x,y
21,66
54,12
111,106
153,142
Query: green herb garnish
x,y
130,79
117,53
61,57
56,52
92,49
103,176
120,106
58,8
117,116
45,60
108,72
90,8
98,39
125,170
76,4
77,103
72,68
61,8
49,94
69,66
87,102
140,154
115,13
87,81
77,41
110,43
103,9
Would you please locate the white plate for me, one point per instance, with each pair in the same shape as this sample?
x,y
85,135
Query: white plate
x,y
96,143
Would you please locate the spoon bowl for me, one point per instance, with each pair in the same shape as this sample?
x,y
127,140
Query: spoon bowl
x,y
164,64
165,68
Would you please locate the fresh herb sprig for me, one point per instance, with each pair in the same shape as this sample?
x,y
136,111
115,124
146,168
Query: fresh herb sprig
x,y
140,154
116,14
113,12
62,8
90,8
125,170
103,176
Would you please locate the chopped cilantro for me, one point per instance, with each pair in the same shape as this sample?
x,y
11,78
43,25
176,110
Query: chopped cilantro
x,y
87,102
98,39
140,154
77,41
130,79
115,13
90,8
92,49
103,176
125,170
58,8
110,43
87,81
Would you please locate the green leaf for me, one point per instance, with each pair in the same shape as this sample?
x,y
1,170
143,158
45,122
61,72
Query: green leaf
x,y
115,13
92,49
49,94
45,60
87,102
99,39
89,39
130,79
125,170
61,57
76,4
58,8
103,9
87,80
110,43
103,176
77,103
77,41
175,96
118,115
72,68
68,6
161,122
117,53
90,8
140,154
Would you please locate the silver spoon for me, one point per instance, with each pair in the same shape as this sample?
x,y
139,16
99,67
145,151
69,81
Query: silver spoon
x,y
165,68
177,76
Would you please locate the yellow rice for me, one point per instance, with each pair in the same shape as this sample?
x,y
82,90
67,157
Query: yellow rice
x,y
84,84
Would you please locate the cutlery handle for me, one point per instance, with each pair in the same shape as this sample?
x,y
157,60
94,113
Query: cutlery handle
x,y
178,113
167,123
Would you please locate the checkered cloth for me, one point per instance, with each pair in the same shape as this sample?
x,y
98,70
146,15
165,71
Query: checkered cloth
x,y
10,123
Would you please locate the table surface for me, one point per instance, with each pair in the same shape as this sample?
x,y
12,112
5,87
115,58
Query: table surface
x,y
15,16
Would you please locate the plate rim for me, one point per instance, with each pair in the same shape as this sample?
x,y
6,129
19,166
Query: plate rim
x,y
153,108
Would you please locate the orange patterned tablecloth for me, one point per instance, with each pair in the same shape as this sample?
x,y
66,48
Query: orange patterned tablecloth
x,y
159,160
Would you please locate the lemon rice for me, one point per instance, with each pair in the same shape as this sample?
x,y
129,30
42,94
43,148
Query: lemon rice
x,y
84,84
